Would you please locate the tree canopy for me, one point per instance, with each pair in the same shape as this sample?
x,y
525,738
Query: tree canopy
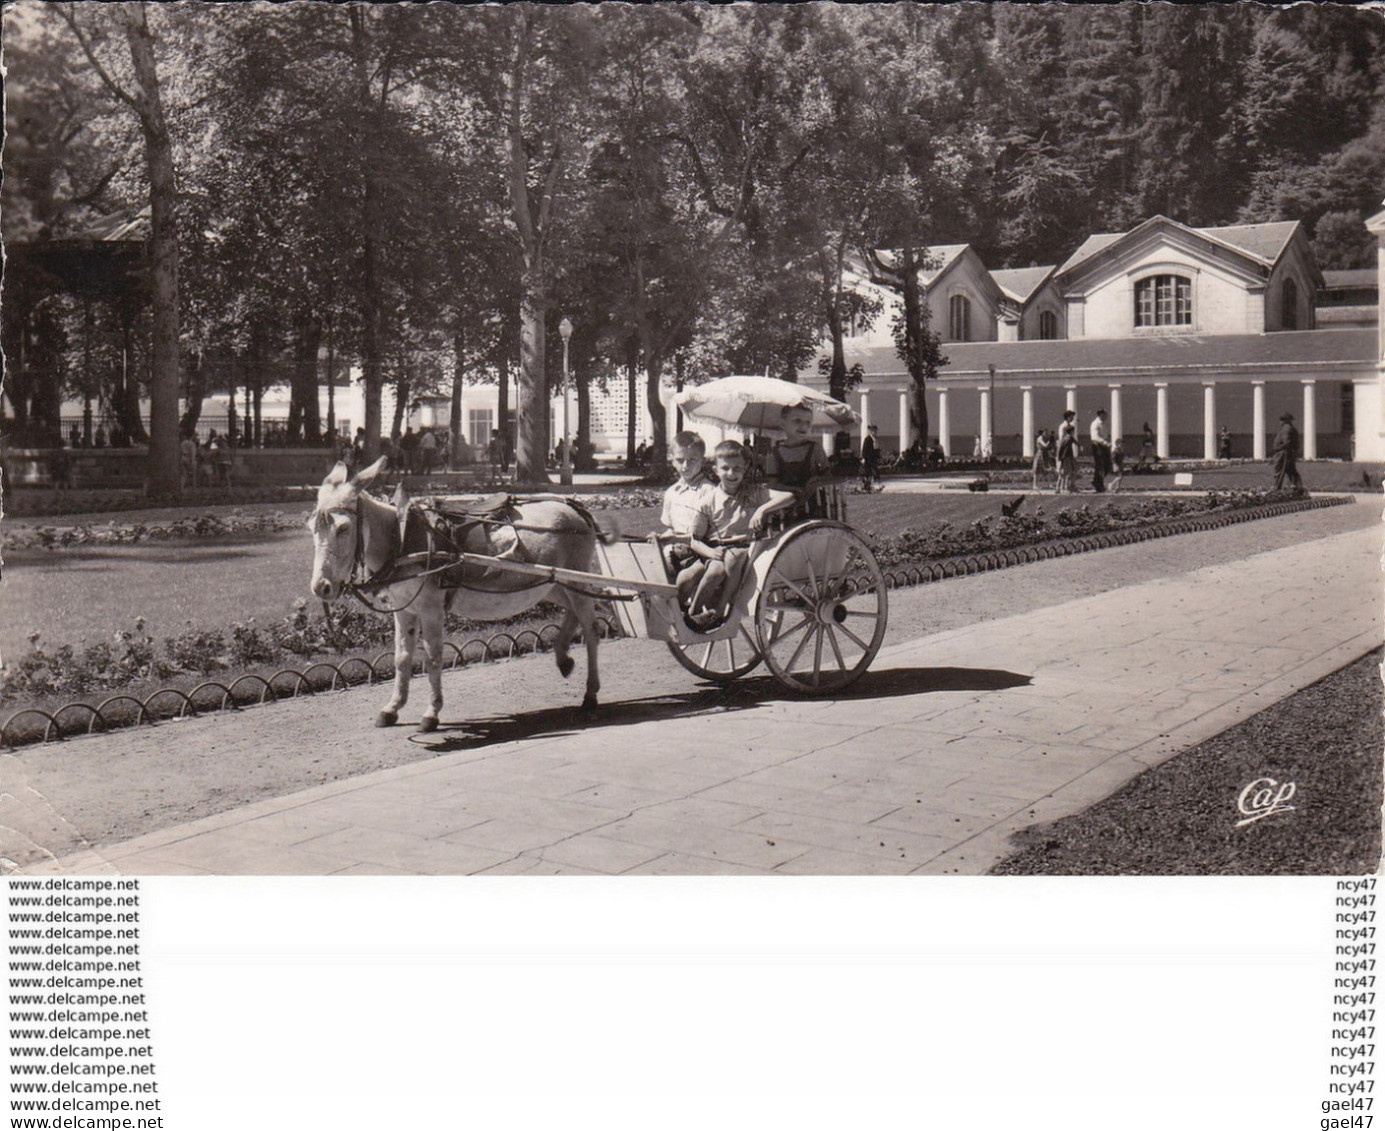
x,y
425,190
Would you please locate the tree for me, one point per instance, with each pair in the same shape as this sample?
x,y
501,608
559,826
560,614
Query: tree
x,y
143,95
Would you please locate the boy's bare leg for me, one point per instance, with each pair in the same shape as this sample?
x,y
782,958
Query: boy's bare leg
x,y
709,588
735,565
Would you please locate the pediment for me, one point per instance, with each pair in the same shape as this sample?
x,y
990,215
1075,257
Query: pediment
x,y
1155,242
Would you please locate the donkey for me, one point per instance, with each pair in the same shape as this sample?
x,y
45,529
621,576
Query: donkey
x,y
351,528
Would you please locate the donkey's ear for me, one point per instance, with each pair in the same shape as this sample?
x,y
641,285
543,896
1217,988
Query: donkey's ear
x,y
337,476
367,475
401,497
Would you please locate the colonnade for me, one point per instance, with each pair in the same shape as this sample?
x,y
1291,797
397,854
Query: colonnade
x,y
1258,424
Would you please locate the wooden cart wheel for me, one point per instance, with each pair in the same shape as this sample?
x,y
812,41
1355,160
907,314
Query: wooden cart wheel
x,y
822,609
719,660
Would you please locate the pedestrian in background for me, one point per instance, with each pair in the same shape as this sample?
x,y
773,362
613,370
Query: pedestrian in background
x,y
870,460
1285,454
1101,451
1067,454
1043,448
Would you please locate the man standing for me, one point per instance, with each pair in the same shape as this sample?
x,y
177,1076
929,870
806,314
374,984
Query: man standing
x,y
870,459
1101,451
1285,457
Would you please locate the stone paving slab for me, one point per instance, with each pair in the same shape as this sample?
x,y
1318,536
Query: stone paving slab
x,y
951,744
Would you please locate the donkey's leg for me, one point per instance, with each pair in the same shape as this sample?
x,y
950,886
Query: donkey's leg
x,y
563,639
405,637
432,633
583,611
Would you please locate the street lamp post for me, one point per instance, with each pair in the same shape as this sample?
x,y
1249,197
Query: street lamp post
x,y
565,330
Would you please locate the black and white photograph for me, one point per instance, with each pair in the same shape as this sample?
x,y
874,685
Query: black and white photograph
x,y
795,478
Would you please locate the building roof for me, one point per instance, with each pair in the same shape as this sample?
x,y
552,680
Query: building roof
x,y
1262,242
1089,247
1351,279
1169,355
944,254
1265,242
1020,283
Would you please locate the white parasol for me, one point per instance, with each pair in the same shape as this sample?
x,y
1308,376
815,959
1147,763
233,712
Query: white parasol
x,y
754,404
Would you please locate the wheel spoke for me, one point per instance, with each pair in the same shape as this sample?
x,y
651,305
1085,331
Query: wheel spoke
x,y
706,660
779,637
807,600
861,644
836,651
840,579
802,645
817,656
780,607
812,579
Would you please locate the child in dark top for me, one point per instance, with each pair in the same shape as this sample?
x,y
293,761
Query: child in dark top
x,y
797,463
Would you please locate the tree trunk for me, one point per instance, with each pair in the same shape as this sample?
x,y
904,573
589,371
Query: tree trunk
x,y
331,382
915,328
305,420
454,418
402,389
530,216
632,363
197,388
125,402
532,407
163,248
654,372
583,455
372,225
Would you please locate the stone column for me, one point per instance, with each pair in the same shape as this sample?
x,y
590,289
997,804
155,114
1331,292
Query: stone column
x,y
1027,427
1071,404
1161,419
904,438
1117,420
1257,423
865,416
984,427
1310,421
1209,420
944,424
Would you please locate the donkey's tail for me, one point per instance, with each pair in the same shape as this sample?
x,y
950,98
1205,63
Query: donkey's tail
x,y
606,528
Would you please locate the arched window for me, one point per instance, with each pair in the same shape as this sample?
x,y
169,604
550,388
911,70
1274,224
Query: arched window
x,y
1288,312
959,318
1164,300
1048,326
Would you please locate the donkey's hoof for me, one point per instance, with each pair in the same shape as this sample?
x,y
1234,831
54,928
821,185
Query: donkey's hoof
x,y
386,719
589,702
427,724
565,666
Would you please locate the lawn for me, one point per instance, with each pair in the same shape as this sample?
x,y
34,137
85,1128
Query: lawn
x,y
85,593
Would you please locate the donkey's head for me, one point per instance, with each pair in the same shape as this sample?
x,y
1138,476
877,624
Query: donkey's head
x,y
336,527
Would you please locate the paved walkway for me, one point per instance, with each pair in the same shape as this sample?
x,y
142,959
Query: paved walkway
x,y
949,745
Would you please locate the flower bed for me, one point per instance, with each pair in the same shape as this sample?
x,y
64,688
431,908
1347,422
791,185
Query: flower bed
x,y
132,533
1029,527
133,657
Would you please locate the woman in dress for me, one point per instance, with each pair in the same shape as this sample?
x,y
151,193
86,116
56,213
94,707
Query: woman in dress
x,y
1067,454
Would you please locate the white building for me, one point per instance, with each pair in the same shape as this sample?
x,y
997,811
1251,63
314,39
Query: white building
x,y
1183,328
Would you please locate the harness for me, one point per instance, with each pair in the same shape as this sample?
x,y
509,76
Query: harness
x,y
434,535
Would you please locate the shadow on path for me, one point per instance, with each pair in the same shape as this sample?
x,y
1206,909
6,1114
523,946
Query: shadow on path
x,y
707,699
